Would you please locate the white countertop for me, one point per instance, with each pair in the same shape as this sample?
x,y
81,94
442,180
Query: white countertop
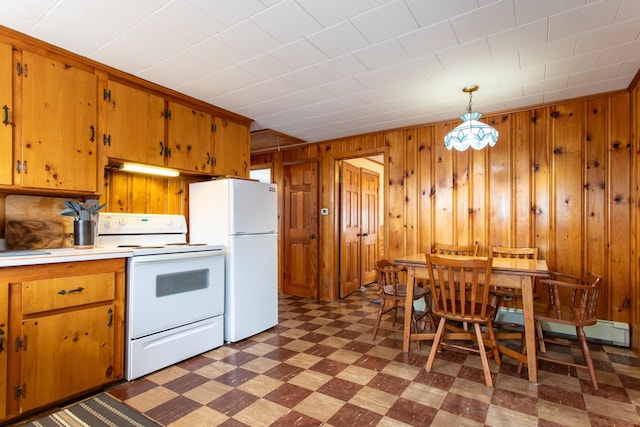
x,y
65,255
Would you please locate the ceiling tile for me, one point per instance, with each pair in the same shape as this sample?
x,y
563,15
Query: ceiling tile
x,y
186,20
307,77
521,37
429,12
548,52
378,78
286,21
227,13
248,39
341,67
528,11
385,22
331,12
348,86
381,54
624,52
339,39
429,39
622,32
498,16
586,18
149,43
572,64
265,66
193,63
221,82
465,54
594,74
22,16
99,27
299,54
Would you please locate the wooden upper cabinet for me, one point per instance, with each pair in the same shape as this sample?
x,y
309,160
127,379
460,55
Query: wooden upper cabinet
x,y
135,125
6,115
58,125
231,148
189,136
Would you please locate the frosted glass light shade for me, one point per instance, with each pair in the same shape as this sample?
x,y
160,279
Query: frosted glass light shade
x,y
471,133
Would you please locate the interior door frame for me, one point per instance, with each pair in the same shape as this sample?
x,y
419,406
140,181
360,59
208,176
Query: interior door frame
x,y
336,203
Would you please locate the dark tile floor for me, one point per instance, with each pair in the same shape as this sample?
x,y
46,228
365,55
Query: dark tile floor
x,y
319,366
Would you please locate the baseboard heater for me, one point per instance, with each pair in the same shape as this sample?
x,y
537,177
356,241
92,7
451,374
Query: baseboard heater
x,y
605,331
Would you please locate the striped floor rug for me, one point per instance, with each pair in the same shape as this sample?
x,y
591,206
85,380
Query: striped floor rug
x,y
97,411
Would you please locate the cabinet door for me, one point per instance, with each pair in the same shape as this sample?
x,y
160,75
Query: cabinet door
x,y
66,354
189,135
59,116
4,335
6,115
135,125
230,148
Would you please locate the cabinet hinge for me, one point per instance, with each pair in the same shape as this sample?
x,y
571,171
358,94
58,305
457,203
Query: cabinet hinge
x,y
21,343
106,95
21,166
214,128
339,279
19,392
215,162
22,69
167,114
106,139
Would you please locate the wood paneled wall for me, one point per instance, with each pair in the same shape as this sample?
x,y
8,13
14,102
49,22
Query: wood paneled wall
x,y
559,178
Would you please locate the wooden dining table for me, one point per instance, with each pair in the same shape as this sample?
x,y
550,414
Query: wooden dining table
x,y
506,272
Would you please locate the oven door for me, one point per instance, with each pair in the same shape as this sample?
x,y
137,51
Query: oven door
x,y
169,290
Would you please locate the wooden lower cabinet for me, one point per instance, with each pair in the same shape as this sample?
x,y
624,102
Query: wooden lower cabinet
x,y
66,326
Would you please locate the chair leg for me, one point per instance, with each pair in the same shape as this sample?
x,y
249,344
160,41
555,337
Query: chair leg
x,y
492,338
395,312
375,327
436,344
483,356
586,353
543,347
523,350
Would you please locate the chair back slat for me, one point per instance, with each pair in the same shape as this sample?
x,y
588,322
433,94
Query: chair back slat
x,y
457,286
579,294
459,250
506,252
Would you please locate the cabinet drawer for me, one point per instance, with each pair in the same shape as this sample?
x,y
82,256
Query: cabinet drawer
x,y
51,294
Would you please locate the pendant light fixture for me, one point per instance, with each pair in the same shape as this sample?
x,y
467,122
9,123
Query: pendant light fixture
x,y
471,133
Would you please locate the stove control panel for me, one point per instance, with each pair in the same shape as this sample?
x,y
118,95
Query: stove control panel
x,y
116,223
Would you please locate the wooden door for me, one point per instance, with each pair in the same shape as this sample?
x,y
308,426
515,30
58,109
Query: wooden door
x,y
189,135
370,222
67,353
301,230
231,146
350,227
6,116
59,117
135,125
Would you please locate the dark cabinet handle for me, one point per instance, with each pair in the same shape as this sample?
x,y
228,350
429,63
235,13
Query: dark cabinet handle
x,y
93,133
78,289
110,313
1,340
312,236
161,148
6,115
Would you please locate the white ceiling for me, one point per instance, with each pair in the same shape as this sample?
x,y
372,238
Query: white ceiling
x,y
321,69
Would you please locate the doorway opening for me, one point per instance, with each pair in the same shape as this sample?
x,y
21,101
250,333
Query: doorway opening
x,y
361,202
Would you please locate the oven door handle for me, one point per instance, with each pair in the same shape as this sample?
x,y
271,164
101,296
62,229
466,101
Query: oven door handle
x,y
140,259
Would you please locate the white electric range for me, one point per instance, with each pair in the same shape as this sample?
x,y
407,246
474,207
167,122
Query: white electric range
x,y
174,288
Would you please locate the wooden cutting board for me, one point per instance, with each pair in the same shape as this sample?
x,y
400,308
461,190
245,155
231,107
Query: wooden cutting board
x,y
34,222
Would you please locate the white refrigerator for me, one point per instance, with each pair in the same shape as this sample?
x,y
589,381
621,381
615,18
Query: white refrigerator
x,y
242,215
